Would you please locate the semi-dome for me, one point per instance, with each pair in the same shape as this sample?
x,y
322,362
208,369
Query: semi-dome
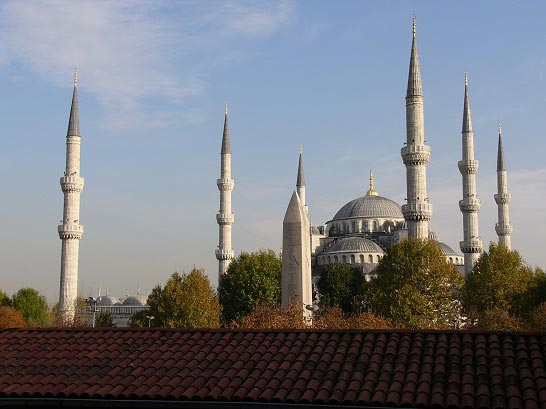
x,y
370,206
446,250
135,300
108,300
354,245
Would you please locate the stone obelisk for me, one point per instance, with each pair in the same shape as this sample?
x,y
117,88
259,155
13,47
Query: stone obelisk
x,y
70,231
296,256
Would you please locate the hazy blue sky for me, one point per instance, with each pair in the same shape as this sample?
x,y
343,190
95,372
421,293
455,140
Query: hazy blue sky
x,y
154,76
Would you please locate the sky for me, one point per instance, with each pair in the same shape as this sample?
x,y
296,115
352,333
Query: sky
x,y
153,80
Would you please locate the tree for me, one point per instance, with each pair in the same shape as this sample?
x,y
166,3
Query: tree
x,y
497,319
499,281
334,318
538,318
32,305
251,279
267,316
11,318
104,319
186,301
339,285
416,287
4,299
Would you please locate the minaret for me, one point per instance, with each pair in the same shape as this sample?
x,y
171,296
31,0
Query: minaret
x,y
300,183
417,211
70,231
224,253
503,227
471,246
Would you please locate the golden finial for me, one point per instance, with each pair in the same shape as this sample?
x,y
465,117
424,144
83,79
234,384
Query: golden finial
x,y
226,107
500,127
371,191
414,25
466,78
75,77
301,149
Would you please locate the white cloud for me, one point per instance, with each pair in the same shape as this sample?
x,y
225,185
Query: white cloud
x,y
130,50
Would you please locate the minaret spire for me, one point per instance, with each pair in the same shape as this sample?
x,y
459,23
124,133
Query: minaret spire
x,y
415,155
225,218
472,245
70,231
371,191
300,182
502,198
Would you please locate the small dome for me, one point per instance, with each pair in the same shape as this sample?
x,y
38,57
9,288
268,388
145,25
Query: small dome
x,y
354,245
135,300
446,250
370,206
432,236
107,300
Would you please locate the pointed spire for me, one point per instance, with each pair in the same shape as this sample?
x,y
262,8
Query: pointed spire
x,y
226,148
74,121
467,117
501,164
301,178
415,87
371,191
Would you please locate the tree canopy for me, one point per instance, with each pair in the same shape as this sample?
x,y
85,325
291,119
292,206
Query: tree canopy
x,y
186,301
500,280
11,318
339,285
251,279
5,301
416,287
32,305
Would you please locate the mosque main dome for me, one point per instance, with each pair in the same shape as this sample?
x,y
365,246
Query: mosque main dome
x,y
370,207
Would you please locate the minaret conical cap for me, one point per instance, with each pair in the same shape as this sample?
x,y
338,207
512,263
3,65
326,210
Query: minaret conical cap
x,y
467,117
415,87
226,147
501,163
74,121
301,178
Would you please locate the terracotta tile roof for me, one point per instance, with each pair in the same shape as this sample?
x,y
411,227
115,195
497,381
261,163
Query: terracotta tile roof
x,y
364,368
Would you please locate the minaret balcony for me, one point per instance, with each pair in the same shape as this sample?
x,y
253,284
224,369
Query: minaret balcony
x,y
417,212
225,184
503,198
72,183
223,254
471,246
225,218
470,205
70,231
468,167
415,154
503,229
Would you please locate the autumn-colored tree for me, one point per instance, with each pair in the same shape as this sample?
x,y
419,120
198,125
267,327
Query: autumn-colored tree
x,y
5,301
416,287
339,285
537,319
274,317
11,318
252,279
499,281
32,305
186,301
497,319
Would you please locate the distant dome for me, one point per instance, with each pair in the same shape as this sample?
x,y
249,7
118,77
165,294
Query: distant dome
x,y
107,300
432,236
354,245
135,300
446,250
370,206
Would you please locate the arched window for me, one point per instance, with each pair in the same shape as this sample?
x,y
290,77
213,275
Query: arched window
x,y
366,226
344,259
362,259
353,226
378,258
336,259
329,261
370,258
451,260
375,225
352,258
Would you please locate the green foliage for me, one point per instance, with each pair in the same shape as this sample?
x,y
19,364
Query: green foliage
x,y
251,279
416,287
339,285
5,301
499,281
32,305
186,301
139,320
104,319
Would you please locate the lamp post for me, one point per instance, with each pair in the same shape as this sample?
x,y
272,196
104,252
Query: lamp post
x,y
150,318
92,301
